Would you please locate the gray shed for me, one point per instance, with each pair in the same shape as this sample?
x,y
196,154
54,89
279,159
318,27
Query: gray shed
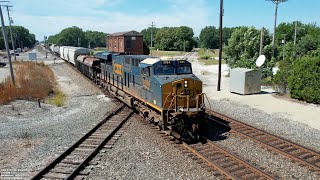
x,y
245,81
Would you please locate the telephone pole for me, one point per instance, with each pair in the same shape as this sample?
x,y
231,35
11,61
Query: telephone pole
x,y
220,46
276,2
151,42
6,44
261,41
11,34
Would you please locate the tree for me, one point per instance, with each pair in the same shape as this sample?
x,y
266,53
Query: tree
x,y
308,43
22,37
72,37
96,39
243,48
147,35
209,38
175,39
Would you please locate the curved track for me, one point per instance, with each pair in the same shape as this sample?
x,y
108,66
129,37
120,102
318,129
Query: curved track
x,y
302,155
71,163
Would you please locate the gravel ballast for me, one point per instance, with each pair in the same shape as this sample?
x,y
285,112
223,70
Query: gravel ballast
x,y
275,124
141,153
31,137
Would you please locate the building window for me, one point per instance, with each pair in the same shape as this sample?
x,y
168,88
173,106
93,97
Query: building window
x,y
128,44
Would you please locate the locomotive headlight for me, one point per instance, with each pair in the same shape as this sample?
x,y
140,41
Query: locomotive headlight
x,y
185,83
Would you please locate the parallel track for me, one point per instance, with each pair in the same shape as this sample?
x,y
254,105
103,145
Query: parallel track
x,y
302,155
230,165
71,163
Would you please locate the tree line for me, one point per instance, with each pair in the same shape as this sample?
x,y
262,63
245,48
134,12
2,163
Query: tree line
x,y
75,36
22,38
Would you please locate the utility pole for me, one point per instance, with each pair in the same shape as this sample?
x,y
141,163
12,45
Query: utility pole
x,y
45,46
220,46
151,43
6,44
276,2
11,34
261,41
78,41
295,33
284,44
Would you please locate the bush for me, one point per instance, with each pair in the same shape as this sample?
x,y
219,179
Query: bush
x,y
58,99
33,81
304,81
281,78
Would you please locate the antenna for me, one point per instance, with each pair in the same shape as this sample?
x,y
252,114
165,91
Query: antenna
x,y
260,61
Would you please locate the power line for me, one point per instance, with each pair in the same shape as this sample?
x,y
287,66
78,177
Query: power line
x,y
4,33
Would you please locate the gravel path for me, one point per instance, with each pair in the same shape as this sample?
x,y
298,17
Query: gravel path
x,y
141,153
31,136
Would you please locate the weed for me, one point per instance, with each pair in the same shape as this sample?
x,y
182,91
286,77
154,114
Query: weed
x,y
26,136
58,99
33,81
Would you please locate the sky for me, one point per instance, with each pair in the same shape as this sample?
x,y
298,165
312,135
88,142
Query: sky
x,y
49,17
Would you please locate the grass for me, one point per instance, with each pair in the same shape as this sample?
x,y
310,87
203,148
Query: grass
x,y
167,53
209,56
58,99
33,81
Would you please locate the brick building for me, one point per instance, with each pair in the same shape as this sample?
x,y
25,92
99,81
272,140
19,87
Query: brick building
x,y
129,42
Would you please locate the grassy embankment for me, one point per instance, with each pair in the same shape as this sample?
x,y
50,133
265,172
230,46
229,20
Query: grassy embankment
x,y
209,57
33,81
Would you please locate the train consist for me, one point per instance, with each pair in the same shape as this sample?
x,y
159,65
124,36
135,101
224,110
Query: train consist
x,y
165,91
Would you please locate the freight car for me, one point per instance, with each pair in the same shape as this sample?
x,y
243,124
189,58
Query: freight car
x,y
88,65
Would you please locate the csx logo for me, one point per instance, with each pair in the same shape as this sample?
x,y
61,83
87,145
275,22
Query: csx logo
x,y
117,68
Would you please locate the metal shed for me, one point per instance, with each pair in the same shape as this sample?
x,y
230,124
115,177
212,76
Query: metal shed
x,y
245,81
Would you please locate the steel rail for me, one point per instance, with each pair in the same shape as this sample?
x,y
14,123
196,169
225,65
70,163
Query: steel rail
x,y
53,163
288,149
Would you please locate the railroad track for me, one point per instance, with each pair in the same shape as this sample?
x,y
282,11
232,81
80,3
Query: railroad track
x,y
71,163
296,152
228,164
220,162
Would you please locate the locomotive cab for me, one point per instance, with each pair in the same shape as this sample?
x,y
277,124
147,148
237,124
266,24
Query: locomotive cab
x,y
177,92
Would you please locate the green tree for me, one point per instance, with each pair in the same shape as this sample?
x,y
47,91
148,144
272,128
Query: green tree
x,y
96,39
175,39
244,46
209,38
147,35
308,43
70,37
22,37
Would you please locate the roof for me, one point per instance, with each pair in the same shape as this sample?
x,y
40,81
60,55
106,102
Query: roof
x,y
126,33
103,55
150,61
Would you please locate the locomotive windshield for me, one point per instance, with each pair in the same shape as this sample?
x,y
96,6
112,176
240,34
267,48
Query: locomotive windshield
x,y
164,70
172,70
184,70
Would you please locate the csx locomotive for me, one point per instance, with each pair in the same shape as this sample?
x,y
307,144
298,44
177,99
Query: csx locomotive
x,y
164,90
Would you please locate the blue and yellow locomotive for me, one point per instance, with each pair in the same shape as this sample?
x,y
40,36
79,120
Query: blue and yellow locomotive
x,y
165,91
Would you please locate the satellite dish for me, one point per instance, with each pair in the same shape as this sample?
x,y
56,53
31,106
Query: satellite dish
x,y
260,61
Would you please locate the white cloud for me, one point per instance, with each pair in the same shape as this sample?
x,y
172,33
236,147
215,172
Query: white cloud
x,y
195,14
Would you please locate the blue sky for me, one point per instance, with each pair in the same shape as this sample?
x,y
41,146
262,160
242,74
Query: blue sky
x,y
48,17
